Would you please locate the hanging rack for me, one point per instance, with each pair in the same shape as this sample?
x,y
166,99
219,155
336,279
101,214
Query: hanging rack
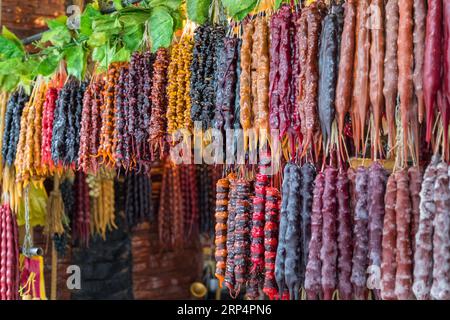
x,y
38,36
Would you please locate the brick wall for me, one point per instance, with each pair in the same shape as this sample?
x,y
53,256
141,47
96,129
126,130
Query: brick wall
x,y
27,17
163,274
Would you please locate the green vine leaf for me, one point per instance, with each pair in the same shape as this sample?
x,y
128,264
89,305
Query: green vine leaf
x,y
278,4
97,39
132,37
75,61
173,5
10,45
239,9
87,18
58,36
9,82
133,16
98,54
122,55
108,23
49,64
197,10
10,66
118,4
160,28
57,22
8,49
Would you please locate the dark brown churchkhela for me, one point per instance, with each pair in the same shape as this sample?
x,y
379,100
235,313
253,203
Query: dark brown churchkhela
x,y
158,97
313,17
280,103
302,55
295,125
225,86
120,120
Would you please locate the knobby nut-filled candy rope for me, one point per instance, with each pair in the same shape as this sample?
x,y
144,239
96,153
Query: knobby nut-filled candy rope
x,y
105,149
11,133
94,136
172,88
221,215
83,152
119,134
271,228
158,122
230,280
257,236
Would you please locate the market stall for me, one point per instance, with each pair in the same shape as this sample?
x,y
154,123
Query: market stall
x,y
300,147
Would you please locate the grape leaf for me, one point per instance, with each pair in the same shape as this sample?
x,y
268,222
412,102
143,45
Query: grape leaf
x,y
173,5
58,36
74,57
197,10
160,28
239,8
87,18
49,64
122,55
